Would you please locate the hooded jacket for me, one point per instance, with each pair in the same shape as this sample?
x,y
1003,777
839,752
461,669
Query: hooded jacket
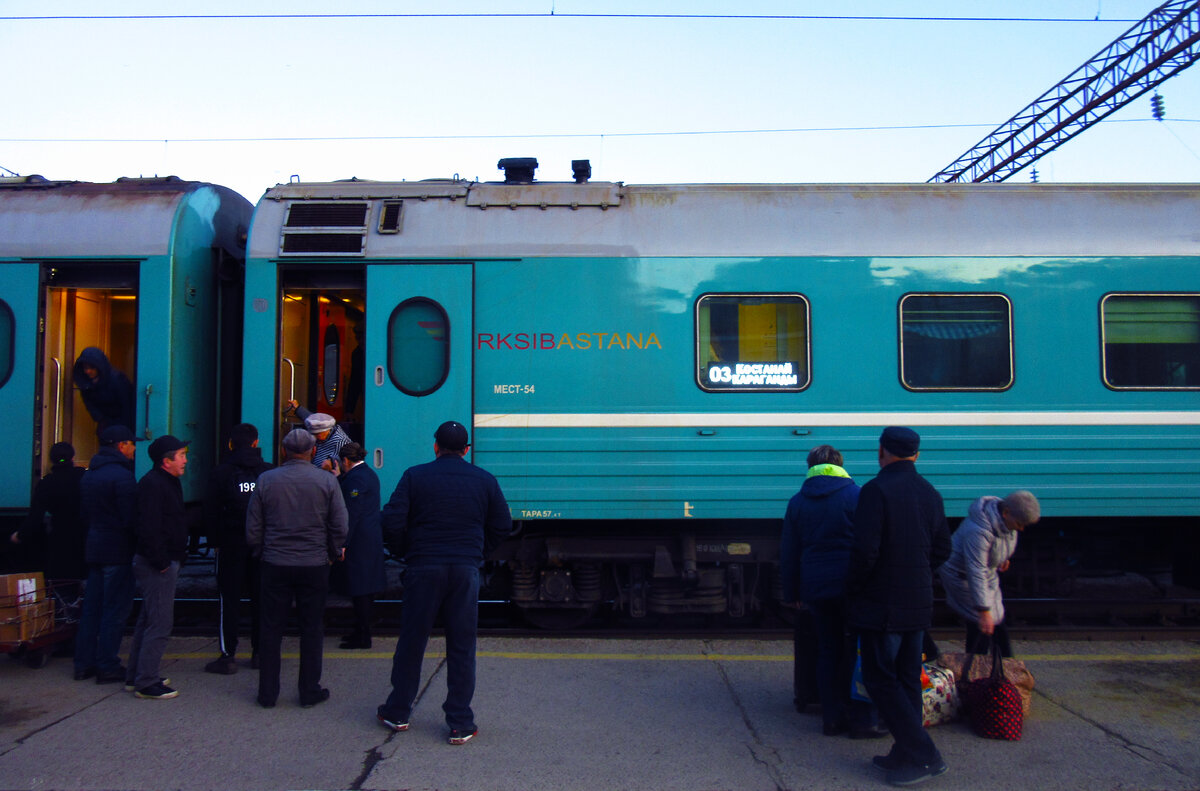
x,y
818,530
979,546
108,503
230,486
110,397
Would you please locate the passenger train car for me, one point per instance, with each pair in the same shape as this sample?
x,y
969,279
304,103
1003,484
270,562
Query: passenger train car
x,y
147,270
644,368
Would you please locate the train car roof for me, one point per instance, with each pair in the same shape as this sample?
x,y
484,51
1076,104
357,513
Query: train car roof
x,y
47,219
452,218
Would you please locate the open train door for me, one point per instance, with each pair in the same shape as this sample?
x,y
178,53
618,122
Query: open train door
x,y
419,371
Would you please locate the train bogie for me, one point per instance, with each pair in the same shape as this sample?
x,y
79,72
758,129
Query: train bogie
x,y
645,367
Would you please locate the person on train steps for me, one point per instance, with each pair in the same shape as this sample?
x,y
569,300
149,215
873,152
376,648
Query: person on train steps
x,y
361,574
106,391
329,436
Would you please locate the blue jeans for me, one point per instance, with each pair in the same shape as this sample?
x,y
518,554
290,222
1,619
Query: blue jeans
x,y
154,622
107,600
454,592
891,665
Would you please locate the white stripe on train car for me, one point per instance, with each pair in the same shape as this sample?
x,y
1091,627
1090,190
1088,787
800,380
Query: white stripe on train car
x,y
823,419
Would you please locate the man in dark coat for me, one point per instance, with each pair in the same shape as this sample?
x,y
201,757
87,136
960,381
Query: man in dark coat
x,y
361,575
58,545
106,391
900,537
108,502
444,518
229,489
161,549
296,524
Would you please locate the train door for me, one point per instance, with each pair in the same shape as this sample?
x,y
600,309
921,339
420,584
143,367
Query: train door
x,y
86,306
322,346
18,317
419,371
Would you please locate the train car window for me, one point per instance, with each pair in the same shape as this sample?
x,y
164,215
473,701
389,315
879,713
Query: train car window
x,y
7,327
956,342
752,342
1151,341
418,346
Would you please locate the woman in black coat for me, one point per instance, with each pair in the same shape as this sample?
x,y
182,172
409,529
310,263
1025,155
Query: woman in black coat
x,y
361,575
58,544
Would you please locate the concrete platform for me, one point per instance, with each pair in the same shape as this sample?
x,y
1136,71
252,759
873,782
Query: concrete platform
x,y
692,715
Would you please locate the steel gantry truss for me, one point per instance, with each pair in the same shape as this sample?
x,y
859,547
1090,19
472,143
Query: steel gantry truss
x,y
1166,42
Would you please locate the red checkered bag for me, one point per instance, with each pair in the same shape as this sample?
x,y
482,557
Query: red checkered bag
x,y
994,703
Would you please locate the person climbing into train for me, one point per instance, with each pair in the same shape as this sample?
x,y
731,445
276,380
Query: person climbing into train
x,y
229,489
980,551
360,575
107,392
814,557
329,436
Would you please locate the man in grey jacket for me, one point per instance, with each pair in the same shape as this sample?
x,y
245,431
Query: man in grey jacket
x,y
296,524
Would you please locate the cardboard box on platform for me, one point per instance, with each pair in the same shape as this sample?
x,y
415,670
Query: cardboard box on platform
x,y
24,588
24,622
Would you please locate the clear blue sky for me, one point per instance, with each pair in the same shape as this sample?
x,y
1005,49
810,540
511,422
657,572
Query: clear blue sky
x,y
249,103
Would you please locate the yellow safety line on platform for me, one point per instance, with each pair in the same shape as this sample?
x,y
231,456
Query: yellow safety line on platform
x,y
629,657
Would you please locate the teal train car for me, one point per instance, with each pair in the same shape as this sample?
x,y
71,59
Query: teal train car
x,y
142,269
644,368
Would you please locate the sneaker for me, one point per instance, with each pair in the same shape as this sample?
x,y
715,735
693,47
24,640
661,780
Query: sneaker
x,y
110,676
462,737
321,696
159,691
395,725
222,666
166,682
911,774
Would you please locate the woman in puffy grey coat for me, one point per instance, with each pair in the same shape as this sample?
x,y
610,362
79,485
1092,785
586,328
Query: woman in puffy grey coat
x,y
980,550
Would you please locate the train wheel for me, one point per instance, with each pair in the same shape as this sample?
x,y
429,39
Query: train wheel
x,y
558,618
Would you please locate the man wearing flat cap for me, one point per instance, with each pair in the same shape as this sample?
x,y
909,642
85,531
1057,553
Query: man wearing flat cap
x,y
296,524
160,549
900,537
444,518
329,436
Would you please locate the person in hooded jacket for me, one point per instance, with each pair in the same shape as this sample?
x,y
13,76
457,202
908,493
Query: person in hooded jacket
x,y
107,393
108,501
980,550
230,486
818,530
360,575
61,542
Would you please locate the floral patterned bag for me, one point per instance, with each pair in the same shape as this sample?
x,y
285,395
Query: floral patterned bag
x,y
939,698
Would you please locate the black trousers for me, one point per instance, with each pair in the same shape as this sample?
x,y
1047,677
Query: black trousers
x,y
308,587
237,574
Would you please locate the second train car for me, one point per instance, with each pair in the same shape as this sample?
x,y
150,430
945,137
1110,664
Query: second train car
x,y
644,368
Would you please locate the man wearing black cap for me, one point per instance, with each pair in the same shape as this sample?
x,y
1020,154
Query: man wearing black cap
x,y
160,549
900,537
108,503
296,524
444,518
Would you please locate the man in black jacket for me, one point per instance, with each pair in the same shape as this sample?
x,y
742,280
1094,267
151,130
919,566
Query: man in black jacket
x,y
900,537
229,489
159,551
445,518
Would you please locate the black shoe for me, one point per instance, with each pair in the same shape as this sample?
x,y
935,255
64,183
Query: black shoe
x,y
321,696
110,676
395,725
463,736
357,642
223,666
266,704
870,732
887,762
159,691
911,774
166,682
84,675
